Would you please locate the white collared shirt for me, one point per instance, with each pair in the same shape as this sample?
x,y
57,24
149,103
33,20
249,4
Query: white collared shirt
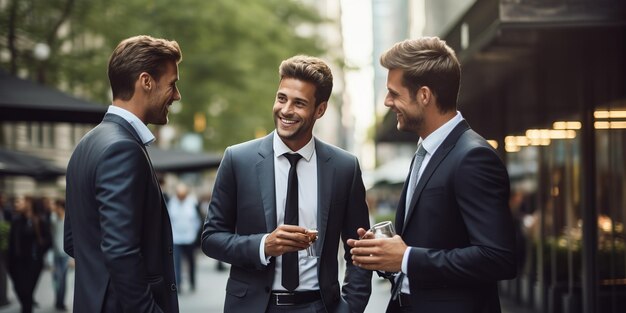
x,y
307,204
430,144
142,130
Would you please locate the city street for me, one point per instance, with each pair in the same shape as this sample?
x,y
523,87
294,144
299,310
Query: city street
x,y
207,298
209,294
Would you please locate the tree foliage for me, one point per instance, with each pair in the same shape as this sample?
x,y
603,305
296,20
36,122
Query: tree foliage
x,y
231,52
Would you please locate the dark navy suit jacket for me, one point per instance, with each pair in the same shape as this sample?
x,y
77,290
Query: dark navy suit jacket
x,y
460,228
116,225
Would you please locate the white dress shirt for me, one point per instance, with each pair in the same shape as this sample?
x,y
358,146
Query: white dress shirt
x,y
430,144
142,130
184,219
307,208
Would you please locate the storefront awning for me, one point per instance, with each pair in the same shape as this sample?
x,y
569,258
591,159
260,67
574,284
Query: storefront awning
x,y
13,163
178,161
23,100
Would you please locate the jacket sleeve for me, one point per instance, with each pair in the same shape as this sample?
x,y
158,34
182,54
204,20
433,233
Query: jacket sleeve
x,y
357,285
121,180
220,239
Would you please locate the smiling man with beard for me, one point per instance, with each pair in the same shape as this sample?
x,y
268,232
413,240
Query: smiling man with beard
x,y
116,223
261,213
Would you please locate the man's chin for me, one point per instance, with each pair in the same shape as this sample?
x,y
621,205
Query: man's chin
x,y
284,134
161,121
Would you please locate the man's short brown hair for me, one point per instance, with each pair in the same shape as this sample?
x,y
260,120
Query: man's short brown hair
x,y
139,54
427,61
309,69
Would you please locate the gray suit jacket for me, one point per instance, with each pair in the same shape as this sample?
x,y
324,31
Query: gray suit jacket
x,y
116,225
243,209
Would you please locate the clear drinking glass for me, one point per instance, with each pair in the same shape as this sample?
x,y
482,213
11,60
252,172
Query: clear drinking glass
x,y
383,230
310,251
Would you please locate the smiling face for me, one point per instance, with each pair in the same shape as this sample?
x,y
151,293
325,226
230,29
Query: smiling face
x,y
295,112
409,111
162,96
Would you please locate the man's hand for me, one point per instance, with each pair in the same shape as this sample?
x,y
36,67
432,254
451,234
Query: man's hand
x,y
286,238
384,254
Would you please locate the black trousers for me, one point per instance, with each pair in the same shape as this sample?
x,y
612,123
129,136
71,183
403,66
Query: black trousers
x,y
25,274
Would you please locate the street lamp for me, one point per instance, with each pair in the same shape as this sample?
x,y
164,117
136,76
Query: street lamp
x,y
41,52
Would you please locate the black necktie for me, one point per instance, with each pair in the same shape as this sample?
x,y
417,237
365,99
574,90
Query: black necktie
x,y
290,272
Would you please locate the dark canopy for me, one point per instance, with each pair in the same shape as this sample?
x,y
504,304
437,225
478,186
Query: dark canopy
x,y
24,100
182,161
13,163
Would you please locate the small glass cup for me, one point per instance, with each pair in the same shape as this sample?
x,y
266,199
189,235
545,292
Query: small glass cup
x,y
311,253
383,230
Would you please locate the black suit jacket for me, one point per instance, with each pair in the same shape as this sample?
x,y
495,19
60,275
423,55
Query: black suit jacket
x,y
116,225
243,209
459,228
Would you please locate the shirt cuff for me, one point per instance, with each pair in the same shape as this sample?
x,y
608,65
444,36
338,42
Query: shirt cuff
x,y
264,260
405,261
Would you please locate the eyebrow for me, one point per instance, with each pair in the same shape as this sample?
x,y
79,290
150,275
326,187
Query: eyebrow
x,y
295,98
392,91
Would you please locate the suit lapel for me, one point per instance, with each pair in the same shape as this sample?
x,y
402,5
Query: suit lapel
x,y
265,181
402,203
432,165
325,177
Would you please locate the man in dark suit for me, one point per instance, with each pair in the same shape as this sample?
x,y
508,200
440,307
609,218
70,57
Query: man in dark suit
x,y
116,223
249,222
456,237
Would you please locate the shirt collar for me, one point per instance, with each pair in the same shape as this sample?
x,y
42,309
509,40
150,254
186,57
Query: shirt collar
x,y
142,130
281,148
436,138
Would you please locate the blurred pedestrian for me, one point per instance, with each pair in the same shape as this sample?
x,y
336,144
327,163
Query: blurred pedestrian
x,y
30,238
5,228
116,223
183,209
270,192
59,257
456,236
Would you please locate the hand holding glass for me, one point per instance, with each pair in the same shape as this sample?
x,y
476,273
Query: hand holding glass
x,y
382,230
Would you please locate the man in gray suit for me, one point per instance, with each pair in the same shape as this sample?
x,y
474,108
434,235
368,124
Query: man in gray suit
x,y
116,223
250,222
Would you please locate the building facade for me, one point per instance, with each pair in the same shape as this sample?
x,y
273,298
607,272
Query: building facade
x,y
546,82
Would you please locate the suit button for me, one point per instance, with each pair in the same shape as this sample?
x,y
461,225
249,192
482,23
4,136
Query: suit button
x,y
173,287
170,250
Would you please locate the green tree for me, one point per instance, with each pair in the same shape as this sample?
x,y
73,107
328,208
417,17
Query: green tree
x,y
231,52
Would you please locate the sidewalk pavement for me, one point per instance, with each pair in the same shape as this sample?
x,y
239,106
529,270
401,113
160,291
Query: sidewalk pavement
x,y
207,298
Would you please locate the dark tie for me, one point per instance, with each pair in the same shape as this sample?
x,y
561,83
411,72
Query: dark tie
x,y
290,272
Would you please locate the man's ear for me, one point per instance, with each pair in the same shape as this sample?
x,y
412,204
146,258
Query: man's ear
x,y
321,109
424,95
145,81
